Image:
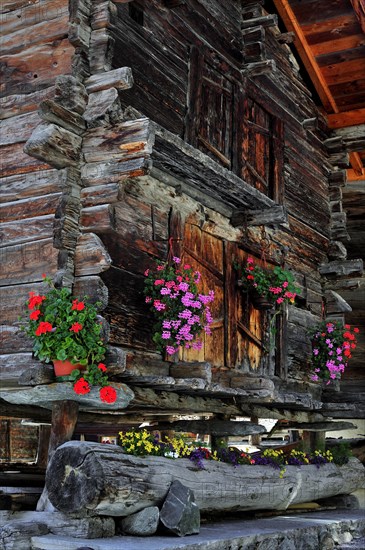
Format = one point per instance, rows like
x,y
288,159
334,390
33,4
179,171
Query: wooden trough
x,y
84,476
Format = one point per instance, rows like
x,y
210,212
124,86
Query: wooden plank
x,y
23,186
55,145
46,31
291,23
213,427
359,8
29,207
357,164
19,104
354,176
26,230
98,218
130,139
336,58
346,118
26,262
35,67
348,71
25,14
52,111
18,129
99,173
338,44
14,160
342,25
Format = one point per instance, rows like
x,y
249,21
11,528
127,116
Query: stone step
x,y
311,530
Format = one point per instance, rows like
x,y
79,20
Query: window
x,y
262,162
240,333
231,127
213,94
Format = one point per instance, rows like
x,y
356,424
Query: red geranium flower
x,y
43,327
108,394
76,327
35,314
78,306
81,387
35,300
356,330
102,367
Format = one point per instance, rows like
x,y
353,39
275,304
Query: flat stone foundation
x,y
323,530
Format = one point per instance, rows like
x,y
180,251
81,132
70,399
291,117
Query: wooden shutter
x,y
206,253
209,123
262,150
239,331
247,327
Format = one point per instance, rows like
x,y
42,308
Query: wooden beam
x,y
359,9
338,44
353,176
347,118
213,427
357,165
305,52
272,215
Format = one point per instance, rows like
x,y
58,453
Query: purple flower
x,y
315,351
165,291
184,287
176,260
166,334
186,314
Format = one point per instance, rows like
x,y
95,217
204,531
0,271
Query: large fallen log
x,y
103,479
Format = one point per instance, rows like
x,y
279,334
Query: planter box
x,y
103,479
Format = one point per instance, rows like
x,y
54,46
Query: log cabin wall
x,y
163,122
221,81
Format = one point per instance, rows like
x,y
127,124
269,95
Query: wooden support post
x,y
218,441
43,445
64,419
255,438
313,441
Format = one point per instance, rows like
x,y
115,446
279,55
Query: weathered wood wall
x,y
112,145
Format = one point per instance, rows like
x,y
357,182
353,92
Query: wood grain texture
x,y
232,488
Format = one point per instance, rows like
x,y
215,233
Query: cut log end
x,y
74,478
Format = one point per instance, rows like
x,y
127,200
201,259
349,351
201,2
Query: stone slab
x,y
45,395
295,530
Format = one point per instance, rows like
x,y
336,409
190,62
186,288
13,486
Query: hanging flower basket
x,y
259,302
332,346
267,288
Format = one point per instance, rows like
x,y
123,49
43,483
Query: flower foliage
x,y
63,327
181,311
276,285
332,347
144,443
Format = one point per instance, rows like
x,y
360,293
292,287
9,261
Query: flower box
x,y
123,484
